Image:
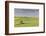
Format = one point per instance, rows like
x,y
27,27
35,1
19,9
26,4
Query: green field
x,y
26,21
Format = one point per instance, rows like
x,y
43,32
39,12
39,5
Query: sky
x,y
26,12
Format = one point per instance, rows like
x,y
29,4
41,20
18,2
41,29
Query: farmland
x,y
26,21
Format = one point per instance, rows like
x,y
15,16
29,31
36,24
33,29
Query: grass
x,y
26,21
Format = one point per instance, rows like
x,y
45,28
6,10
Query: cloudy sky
x,y
26,12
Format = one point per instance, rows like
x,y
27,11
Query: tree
x,y
21,22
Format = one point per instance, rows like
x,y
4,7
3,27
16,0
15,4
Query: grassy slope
x,y
28,21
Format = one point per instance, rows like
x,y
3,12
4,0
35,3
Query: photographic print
x,y
24,17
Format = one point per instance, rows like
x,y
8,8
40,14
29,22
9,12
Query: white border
x,y
24,29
